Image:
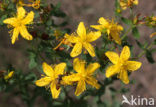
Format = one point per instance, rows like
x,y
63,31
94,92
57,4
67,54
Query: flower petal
x,y
113,57
123,76
43,81
103,21
68,80
81,30
72,38
135,2
125,54
92,36
59,69
76,50
11,21
90,49
55,93
25,34
133,65
15,35
79,65
21,12
47,69
98,27
116,37
81,87
92,81
112,70
29,18
92,68
119,28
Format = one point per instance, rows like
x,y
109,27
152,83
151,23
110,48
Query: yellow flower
x,y
83,76
110,27
128,3
82,40
19,24
9,75
52,78
121,64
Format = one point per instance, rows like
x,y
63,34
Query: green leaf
x,y
139,44
135,32
32,63
149,57
126,21
155,42
2,18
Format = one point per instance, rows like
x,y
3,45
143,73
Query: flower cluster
x,y
81,42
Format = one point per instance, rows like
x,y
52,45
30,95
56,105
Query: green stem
x,y
144,51
129,29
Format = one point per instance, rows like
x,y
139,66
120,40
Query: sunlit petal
x,y
29,18
91,68
81,87
43,81
89,48
15,35
54,91
79,65
76,50
92,36
81,30
113,57
112,70
25,34
132,65
125,54
21,12
47,69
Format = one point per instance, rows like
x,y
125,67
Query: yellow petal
x,y
132,65
112,70
47,69
92,81
59,69
10,21
92,36
72,38
81,87
123,76
25,34
103,21
43,81
108,31
92,68
125,54
89,48
81,30
21,12
15,35
76,50
113,57
116,37
10,74
79,65
29,18
98,27
55,93
135,2
123,5
119,28
68,80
